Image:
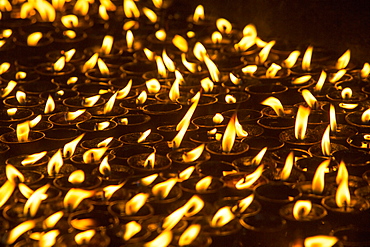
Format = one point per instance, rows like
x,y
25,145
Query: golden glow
x,y
337,76
346,93
291,60
309,98
141,98
33,158
192,67
189,235
25,190
5,6
58,4
250,179
84,237
72,80
216,37
185,174
203,184
94,155
174,92
198,14
170,65
301,209
185,121
234,79
93,60
90,101
193,206
224,26
245,203
55,163
222,217
193,154
59,64
107,45
17,231
103,68
69,21
131,229
108,107
264,53
135,203
33,203
230,99
148,180
50,105
342,173
181,43
347,106
342,196
306,61
218,118
212,68
23,130
258,158
75,196
11,111
301,79
162,240
161,35
111,189
207,85
70,147
150,160
20,75
105,142
150,14
130,9
104,167
34,38
81,7
129,24
121,94
320,241
301,122
249,69
149,54
70,116
199,51
333,121
275,104
272,70
70,34
365,70
325,142
343,60
287,169
229,136
153,86
4,67
52,220
13,174
318,181
129,40
240,132
171,220
365,117
162,190
21,97
77,177
103,13
144,135
6,191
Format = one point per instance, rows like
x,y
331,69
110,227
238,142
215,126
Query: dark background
x,y
334,25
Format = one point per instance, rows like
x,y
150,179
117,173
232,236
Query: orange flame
x,y
337,76
144,135
70,116
224,26
6,191
103,68
309,98
107,44
275,104
150,14
131,229
55,163
135,203
75,196
52,220
301,79
216,37
301,209
108,107
346,93
175,90
83,238
77,177
194,154
104,167
287,169
34,38
59,64
343,60
111,189
301,122
189,235
70,147
150,160
319,177
70,34
325,142
121,94
193,206
272,70
185,174
161,35
207,85
212,68
264,53
130,9
342,196
17,231
69,21
168,62
105,142
203,184
81,7
33,158
8,89
35,121
230,99
320,241
245,203
94,155
162,190
240,132
101,125
153,86
250,179
249,69
228,138
148,180
198,14
13,174
218,118
306,61
365,117
342,173
149,54
93,60
141,98
50,105
163,239
365,71
103,13
162,71
33,203
222,217
21,97
234,79
181,43
129,40
199,51
23,130
333,121
192,67
291,60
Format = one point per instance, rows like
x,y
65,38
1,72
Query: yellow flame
x,y
193,206
52,220
103,13
287,169
72,80
33,203
301,122
192,67
346,93
59,64
107,44
84,237
131,229
130,9
194,154
23,130
224,26
230,99
103,68
75,196
199,51
149,54
153,86
301,79
46,10
342,196
207,84
168,62
234,79
272,70
229,136
222,217
337,76
216,37
81,7
34,38
171,220
275,104
186,119
148,180
17,231
185,174
301,209
94,155
365,117
8,89
6,191
162,71
11,111
121,94
245,203
135,203
198,14
162,190
306,61
5,6
264,53
325,142
150,160
347,106
161,35
249,69
129,40
104,167
141,98
70,147
69,21
247,41
320,241
218,118
58,4
318,181
90,101
144,135
189,235
105,142
162,240
108,107
342,173
174,93
55,163
50,105
212,68
35,121
203,184
21,97
77,177
89,64
333,121
70,116
240,132
150,14
33,158
343,60
181,43
13,174
111,189
291,60
250,179
365,71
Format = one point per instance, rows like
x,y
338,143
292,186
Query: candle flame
x,y
287,169
320,82
70,34
93,60
222,217
174,93
192,67
111,189
103,13
248,40
70,116
291,60
234,79
55,163
301,122
216,37
33,158
121,94
301,209
50,105
337,76
131,229
224,26
181,43
17,231
342,172
94,155
34,38
228,138
150,14
69,21
264,53
77,177
59,64
135,203
212,68
144,135
103,68
320,241
52,220
240,132
149,54
185,174
130,9
104,167
342,196
13,174
11,111
130,40
170,65
153,86
203,184
185,121
318,181
333,121
306,61
83,238
365,71
193,206
4,67
365,117
198,14
72,80
70,147
272,70
243,204
346,93
23,130
162,240
33,203
343,60
75,196
249,69
6,191
162,190
309,98
325,142
21,97
199,51
148,180
141,98
301,79
107,45
189,235
250,179
207,85
150,160
230,99
258,158
161,35
194,154
275,104
8,89
108,107
347,106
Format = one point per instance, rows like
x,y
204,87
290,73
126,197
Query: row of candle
x,y
147,185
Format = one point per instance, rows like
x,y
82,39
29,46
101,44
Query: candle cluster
x,y
126,124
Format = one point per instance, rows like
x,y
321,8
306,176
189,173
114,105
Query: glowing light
x,y
111,189
150,14
203,184
34,38
52,220
150,160
131,229
192,67
272,70
153,86
181,43
17,231
342,196
343,60
75,196
162,240
135,203
325,142
70,116
103,68
291,60
130,9
199,51
141,98
77,177
93,60
21,97
250,179
320,82
33,203
23,130
224,26
161,35
148,180
108,107
33,158
84,237
69,21
365,70
59,64
264,53
162,190
234,79
144,135
318,181
6,191
222,217
346,93
189,235
230,99
207,84
194,154
301,79
229,136
94,155
301,122
70,147
337,76
301,209
55,163
320,241
121,94
287,169
198,14
275,104
365,117
306,61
